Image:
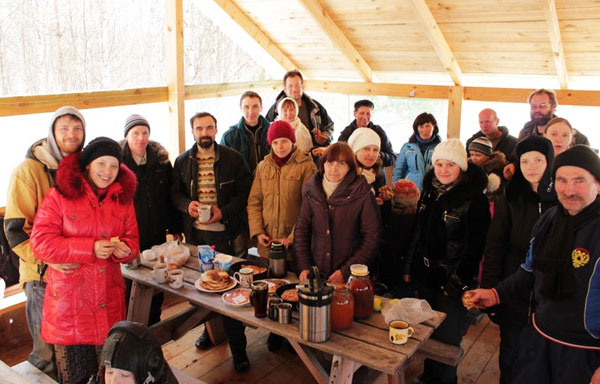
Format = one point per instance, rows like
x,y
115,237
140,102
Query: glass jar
x,y
342,308
362,290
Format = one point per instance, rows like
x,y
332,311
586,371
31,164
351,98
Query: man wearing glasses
x,y
543,105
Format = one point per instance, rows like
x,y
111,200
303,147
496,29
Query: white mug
x,y
159,272
224,261
175,278
245,277
204,213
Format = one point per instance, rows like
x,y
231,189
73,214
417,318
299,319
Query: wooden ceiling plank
x,y
333,31
257,34
556,42
438,41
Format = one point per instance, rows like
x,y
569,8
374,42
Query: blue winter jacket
x,y
412,164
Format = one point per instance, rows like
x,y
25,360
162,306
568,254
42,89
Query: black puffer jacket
x,y
153,208
509,237
450,232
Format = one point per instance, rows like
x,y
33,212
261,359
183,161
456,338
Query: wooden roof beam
x,y
437,39
557,47
257,34
338,38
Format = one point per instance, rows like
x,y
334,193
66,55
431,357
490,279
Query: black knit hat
x,y
132,347
518,184
580,156
100,146
535,143
135,120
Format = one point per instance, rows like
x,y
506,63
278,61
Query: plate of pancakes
x,y
215,281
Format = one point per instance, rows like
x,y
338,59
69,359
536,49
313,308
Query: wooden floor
x,y
479,366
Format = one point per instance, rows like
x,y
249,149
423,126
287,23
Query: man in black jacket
x,y
543,105
362,119
211,174
155,214
498,135
311,112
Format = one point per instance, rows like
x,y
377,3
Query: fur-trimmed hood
x,y
495,164
72,183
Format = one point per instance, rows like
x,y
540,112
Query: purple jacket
x,y
340,231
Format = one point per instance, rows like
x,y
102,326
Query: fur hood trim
x,y
72,183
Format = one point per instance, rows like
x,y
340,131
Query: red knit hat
x,y
279,129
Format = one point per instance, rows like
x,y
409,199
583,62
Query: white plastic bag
x,y
413,311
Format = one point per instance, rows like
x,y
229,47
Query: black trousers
x,y
449,332
509,351
234,329
543,361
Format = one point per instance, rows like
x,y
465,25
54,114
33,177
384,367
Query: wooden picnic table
x,y
366,343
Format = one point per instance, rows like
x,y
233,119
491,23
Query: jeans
x,y
42,355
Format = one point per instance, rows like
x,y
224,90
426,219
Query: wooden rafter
x,y
338,38
257,34
557,46
437,39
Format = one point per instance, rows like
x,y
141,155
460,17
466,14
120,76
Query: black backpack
x,y
9,261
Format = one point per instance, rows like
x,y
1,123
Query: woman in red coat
x,y
88,219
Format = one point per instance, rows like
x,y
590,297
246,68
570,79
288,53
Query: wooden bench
x,y
441,352
184,378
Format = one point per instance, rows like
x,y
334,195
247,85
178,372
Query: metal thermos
x,y
314,298
277,256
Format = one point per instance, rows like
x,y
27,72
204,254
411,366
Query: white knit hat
x,y
362,137
452,150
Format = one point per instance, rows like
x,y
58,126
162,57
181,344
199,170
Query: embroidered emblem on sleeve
x,y
580,257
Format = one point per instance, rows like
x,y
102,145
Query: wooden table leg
x,y
310,361
397,378
216,330
139,303
342,370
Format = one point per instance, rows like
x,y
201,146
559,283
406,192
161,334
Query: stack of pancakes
x,y
215,280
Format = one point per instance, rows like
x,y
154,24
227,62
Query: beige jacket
x,y
276,195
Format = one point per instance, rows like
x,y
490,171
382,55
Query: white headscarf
x,y
303,138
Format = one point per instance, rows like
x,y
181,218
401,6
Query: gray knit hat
x,y
481,145
133,121
60,112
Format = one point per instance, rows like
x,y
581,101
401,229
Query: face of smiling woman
x,y
103,171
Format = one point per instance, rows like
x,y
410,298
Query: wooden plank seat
x,y
441,352
24,372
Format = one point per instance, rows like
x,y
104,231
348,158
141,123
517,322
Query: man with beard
x,y
212,174
562,342
29,183
543,105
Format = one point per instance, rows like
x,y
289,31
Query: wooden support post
x,y
139,303
455,98
175,79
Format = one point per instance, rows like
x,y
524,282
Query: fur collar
x,y
495,163
72,184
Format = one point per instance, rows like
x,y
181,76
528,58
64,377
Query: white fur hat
x,y
361,137
452,150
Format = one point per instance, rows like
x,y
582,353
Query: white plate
x,y
238,301
201,288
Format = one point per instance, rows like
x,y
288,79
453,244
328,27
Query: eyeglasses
x,y
539,106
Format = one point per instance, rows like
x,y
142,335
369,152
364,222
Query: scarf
x,y
329,186
281,161
442,188
424,144
369,174
553,247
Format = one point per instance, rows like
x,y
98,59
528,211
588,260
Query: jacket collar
x,y
71,181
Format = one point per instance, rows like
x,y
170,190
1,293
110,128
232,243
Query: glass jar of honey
x,y
342,308
362,290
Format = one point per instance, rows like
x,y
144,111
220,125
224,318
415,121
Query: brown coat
x,y
276,195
